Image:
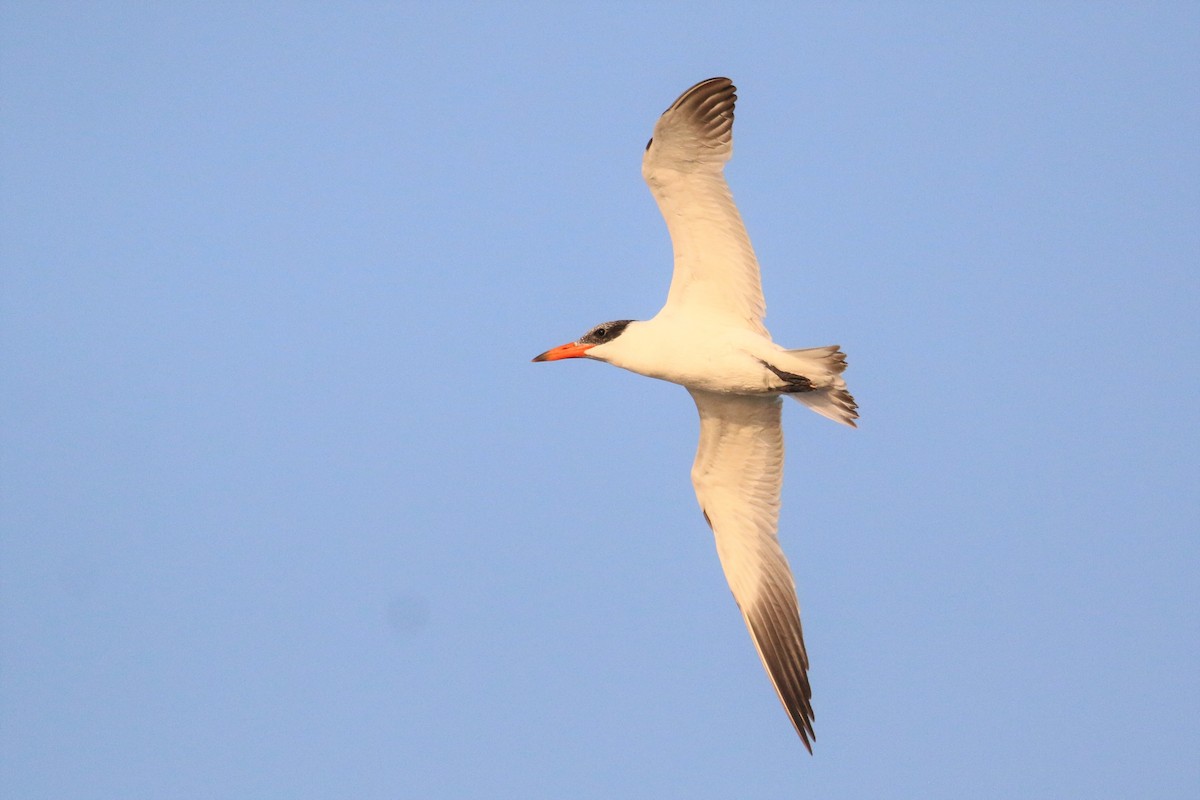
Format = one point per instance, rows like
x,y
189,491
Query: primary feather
x,y
716,272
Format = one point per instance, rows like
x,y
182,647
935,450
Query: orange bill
x,y
568,350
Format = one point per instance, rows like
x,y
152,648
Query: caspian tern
x,y
710,338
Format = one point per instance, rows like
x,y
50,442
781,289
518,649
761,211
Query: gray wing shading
x,y
738,474
716,273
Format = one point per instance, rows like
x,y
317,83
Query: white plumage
x,y
710,338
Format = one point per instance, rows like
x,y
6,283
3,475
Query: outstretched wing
x,y
737,475
716,273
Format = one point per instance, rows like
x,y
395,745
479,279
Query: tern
x,y
710,339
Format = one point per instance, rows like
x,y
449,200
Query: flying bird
x,y
710,339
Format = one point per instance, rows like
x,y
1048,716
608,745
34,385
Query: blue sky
x,y
287,512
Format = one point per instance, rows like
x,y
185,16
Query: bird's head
x,y
603,333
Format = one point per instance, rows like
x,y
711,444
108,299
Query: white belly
x,y
715,359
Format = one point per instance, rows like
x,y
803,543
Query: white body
x,y
694,354
710,338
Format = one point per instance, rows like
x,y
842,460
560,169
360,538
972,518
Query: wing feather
x,y
738,474
716,272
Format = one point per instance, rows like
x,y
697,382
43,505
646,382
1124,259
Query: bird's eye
x,y
600,332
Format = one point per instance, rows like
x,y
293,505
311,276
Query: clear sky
x,y
287,512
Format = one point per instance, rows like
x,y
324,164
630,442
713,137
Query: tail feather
x,y
823,366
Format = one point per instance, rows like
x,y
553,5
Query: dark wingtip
x,y
710,105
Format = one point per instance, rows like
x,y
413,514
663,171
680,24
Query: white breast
x,y
692,353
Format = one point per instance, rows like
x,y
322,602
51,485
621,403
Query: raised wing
x,y
716,273
737,475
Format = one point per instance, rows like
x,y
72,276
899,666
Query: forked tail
x,y
823,367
